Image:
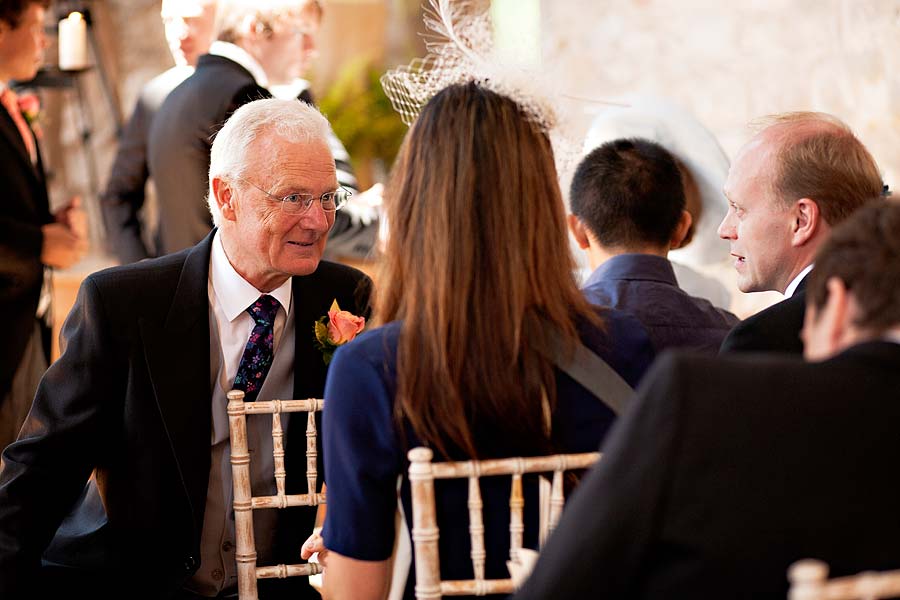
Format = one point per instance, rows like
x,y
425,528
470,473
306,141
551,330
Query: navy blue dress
x,y
365,451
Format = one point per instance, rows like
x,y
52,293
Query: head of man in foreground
x,y
854,293
788,187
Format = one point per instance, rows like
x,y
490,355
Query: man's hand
x,y
66,240
73,217
315,544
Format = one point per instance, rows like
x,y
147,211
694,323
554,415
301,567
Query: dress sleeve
x,y
362,455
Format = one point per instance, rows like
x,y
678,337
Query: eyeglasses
x,y
295,204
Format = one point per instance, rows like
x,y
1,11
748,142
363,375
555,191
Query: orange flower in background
x,y
336,329
30,107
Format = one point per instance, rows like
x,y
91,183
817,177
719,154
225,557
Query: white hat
x,y
679,132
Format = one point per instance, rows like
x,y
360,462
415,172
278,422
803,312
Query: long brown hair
x,y
476,259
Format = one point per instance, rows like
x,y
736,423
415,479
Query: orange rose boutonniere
x,y
336,329
30,106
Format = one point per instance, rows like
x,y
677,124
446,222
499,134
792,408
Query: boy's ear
x,y
579,231
680,236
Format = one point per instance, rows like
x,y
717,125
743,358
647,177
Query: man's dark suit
x,y
130,398
727,470
181,136
124,197
775,329
24,209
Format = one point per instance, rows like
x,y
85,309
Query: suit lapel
x,y
177,354
11,133
311,302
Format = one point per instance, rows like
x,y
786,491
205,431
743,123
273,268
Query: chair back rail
x,y
245,503
425,531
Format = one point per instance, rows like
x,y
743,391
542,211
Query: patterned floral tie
x,y
258,353
10,102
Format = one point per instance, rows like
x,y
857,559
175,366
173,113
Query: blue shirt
x,y
644,285
365,450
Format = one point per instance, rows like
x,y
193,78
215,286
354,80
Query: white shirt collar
x,y
792,287
233,292
289,91
241,57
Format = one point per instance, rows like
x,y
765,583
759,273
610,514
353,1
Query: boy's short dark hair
x,y
628,192
11,11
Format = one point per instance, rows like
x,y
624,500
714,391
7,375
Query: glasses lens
x,y
339,198
296,203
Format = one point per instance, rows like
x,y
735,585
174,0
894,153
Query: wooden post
x,y
557,496
516,504
245,548
476,524
278,454
425,531
311,455
808,578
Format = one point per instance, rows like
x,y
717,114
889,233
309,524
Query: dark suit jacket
x,y
24,208
124,196
775,329
727,470
179,145
130,400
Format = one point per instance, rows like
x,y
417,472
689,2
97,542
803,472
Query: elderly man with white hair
x,y
119,484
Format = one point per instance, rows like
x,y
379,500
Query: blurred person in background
x,y
33,239
257,45
190,28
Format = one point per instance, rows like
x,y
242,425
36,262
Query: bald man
x,y
787,188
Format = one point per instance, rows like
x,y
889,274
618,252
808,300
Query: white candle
x,y
73,43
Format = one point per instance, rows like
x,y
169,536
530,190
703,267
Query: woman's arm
x,y
351,579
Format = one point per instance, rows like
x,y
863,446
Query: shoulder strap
x,y
591,371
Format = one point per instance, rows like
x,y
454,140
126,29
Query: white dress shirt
x,y
793,285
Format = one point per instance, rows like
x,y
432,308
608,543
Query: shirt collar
x,y
289,91
241,57
635,266
233,292
792,287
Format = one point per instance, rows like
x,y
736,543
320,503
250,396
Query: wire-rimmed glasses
x,y
298,203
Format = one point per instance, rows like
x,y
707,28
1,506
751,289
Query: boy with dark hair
x,y
628,210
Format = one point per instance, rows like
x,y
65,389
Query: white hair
x,y
234,18
292,120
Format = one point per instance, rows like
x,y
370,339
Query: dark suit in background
x,y
774,329
179,145
132,392
24,209
725,471
125,194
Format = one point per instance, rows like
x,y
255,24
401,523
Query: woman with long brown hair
x,y
477,285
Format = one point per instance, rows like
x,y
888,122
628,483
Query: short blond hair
x,y
819,157
234,17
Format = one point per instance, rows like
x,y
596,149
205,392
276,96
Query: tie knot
x,y
264,309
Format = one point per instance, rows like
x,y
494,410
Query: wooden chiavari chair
x,y
244,501
809,581
425,532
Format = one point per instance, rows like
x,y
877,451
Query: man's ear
x,y
579,231
223,195
682,229
806,221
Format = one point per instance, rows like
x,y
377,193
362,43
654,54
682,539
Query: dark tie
x,y
259,351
